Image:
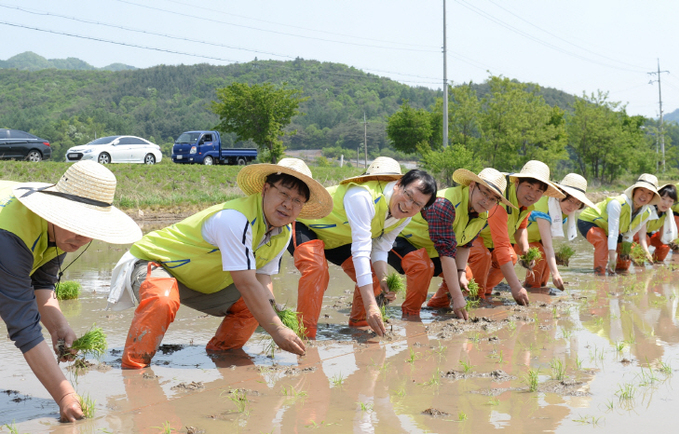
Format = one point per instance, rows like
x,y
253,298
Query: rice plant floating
x,y
93,342
533,254
563,255
67,290
395,283
290,319
638,255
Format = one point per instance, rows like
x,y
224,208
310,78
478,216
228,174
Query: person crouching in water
x,y
611,224
219,262
492,256
369,211
546,222
661,227
442,234
39,224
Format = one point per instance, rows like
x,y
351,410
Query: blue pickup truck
x,y
205,147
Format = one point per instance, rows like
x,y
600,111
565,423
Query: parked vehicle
x,y
117,149
20,145
205,147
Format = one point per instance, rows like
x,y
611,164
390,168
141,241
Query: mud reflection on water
x,y
603,354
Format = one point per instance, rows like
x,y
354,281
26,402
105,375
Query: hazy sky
x,y
576,46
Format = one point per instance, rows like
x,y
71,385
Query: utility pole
x,y
365,140
445,82
661,133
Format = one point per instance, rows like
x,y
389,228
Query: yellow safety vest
x,y
599,214
514,217
417,231
334,229
181,249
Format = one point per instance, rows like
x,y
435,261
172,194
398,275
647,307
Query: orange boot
x,y
235,330
661,250
622,264
158,305
539,275
440,300
357,315
479,262
419,270
598,238
310,261
495,276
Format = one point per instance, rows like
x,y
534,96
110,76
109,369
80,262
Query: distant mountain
x,y
29,61
672,117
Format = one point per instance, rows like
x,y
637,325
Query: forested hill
x,y
29,61
69,107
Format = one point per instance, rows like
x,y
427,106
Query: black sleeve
x,y
18,306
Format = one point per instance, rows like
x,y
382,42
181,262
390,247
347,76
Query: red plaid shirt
x,y
440,217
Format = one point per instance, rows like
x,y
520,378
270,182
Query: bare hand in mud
x,y
288,341
674,246
374,319
459,306
69,408
521,296
464,283
558,282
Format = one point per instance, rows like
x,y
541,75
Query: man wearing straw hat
x,y
611,224
368,213
546,222
437,241
39,224
219,261
492,256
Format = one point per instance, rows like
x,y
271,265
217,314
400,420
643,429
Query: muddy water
x,y
603,354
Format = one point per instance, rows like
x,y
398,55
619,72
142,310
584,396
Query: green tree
x,y
443,163
258,113
409,128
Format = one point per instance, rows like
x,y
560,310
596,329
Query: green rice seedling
x,y
92,343
12,428
365,406
395,283
401,392
638,255
383,312
67,290
292,392
566,334
563,254
166,428
466,366
413,356
440,349
473,288
435,379
532,379
625,248
626,391
290,319
610,405
619,346
493,402
558,369
665,368
238,397
533,254
87,406
462,416
337,380
555,312
578,363
590,420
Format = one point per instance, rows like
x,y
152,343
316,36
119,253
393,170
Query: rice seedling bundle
x,y
473,288
67,290
93,342
533,254
637,254
563,255
395,283
290,320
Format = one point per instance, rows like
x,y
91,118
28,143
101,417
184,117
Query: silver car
x,y
117,149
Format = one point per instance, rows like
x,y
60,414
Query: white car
x,y
117,149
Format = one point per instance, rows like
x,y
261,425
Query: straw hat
x,y
382,168
576,186
251,180
649,182
540,171
81,202
488,177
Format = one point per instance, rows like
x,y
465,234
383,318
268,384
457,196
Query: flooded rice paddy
x,y
602,356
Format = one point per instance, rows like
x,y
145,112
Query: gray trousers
x,y
215,304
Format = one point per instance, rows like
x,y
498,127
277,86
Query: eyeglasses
x,y
285,197
488,196
409,197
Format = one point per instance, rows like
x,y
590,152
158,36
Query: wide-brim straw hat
x,y
251,180
538,170
576,186
649,182
382,168
81,202
488,177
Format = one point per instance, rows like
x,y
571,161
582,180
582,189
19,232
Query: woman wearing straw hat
x,y
219,261
368,213
611,224
492,256
546,222
661,227
39,224
437,241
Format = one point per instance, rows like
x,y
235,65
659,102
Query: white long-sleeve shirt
x,y
360,210
614,209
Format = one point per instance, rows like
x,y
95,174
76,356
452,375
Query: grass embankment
x,y
164,186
